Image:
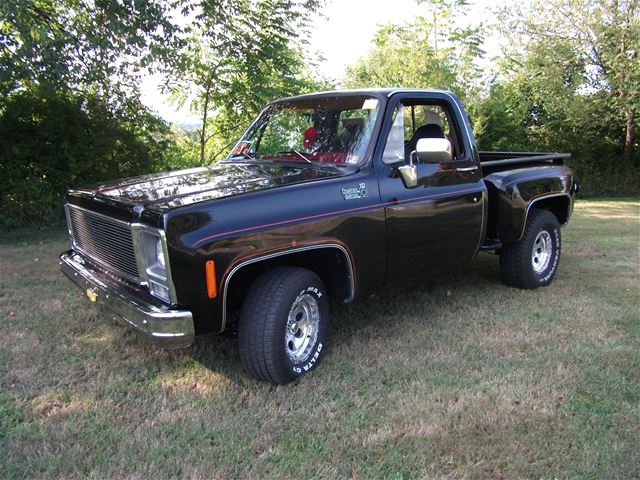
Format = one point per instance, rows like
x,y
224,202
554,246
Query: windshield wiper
x,y
297,153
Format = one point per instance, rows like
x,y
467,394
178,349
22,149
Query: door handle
x,y
467,169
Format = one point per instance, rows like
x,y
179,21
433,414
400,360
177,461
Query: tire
x,y
532,261
284,323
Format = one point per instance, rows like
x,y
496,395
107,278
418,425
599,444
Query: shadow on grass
x,y
219,353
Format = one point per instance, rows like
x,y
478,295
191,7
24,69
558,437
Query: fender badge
x,y
355,192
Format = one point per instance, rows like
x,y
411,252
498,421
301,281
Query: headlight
x,y
154,256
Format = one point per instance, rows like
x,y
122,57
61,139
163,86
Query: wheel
x,y
283,325
532,261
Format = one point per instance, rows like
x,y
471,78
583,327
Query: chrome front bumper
x,y
170,328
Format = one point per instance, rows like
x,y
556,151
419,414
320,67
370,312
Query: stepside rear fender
x,y
513,193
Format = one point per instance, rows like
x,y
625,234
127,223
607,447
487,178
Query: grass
x,y
460,378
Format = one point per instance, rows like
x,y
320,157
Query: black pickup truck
x,y
336,194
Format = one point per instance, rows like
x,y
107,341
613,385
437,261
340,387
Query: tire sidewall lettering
x,y
299,369
314,357
548,274
311,289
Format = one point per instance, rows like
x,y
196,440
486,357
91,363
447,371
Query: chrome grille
x,y
105,240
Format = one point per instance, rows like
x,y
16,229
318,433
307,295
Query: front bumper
x,y
170,328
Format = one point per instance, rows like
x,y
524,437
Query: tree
x,y
240,55
69,101
605,35
51,140
540,102
534,105
430,52
75,45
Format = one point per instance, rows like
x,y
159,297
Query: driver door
x,y
438,224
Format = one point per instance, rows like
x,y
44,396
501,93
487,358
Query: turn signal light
x,y
210,271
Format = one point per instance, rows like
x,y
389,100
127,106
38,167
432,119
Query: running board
x,y
490,244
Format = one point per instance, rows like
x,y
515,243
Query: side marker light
x,y
210,272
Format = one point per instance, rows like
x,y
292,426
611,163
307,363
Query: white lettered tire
x,y
284,325
533,261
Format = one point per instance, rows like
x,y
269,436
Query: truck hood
x,y
162,191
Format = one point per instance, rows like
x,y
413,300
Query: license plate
x,y
93,296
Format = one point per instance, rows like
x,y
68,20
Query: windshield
x,y
329,130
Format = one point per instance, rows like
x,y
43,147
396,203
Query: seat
x,y
430,130
350,134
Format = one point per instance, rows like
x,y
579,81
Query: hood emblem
x,y
355,192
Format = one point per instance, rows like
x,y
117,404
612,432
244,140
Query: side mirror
x,y
433,150
409,173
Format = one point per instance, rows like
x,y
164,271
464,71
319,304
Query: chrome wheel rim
x,y
541,252
303,323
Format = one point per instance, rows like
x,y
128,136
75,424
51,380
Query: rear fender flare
x,y
532,203
512,196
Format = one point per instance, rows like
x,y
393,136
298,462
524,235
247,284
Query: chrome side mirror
x,y
433,150
409,173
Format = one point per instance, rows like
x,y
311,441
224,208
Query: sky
x,y
342,35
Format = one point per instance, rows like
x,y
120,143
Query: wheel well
x,y
330,264
558,205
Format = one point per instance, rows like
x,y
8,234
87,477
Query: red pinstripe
x,y
328,214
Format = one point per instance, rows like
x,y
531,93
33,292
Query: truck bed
x,y
492,161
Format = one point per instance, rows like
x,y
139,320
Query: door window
x,y
414,119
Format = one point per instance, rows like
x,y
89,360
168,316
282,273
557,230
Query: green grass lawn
x,y
461,377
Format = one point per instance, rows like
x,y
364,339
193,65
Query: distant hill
x,y
188,125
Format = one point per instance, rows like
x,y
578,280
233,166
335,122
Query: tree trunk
x,y
205,112
435,31
627,154
629,138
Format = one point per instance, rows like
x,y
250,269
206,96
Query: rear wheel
x,y
532,261
283,325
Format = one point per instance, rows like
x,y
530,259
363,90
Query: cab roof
x,y
378,92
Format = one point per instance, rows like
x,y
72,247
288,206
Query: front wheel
x,y
283,326
532,261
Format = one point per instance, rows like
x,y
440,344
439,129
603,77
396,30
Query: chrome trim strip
x,y
543,197
171,328
279,254
526,159
467,169
138,250
69,226
167,268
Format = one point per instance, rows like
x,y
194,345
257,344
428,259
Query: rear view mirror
x,y
433,150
